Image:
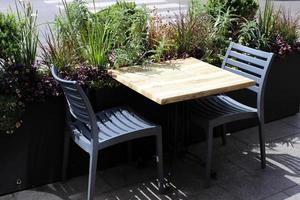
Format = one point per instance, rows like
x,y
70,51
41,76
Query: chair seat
x,y
220,109
116,125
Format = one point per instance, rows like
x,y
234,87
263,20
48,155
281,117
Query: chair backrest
x,y
78,102
250,63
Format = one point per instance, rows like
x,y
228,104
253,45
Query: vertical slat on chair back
x,y
251,63
79,105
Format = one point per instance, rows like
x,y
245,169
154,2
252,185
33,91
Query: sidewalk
x,y
239,176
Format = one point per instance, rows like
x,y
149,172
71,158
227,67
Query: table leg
x,y
174,132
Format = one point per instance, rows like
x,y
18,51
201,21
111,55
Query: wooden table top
x,y
179,80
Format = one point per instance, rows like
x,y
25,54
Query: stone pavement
x,y
239,176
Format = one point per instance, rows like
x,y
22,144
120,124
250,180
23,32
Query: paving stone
x,y
274,130
293,120
248,136
294,197
239,176
233,145
33,195
279,196
246,160
216,193
145,191
288,145
279,129
293,191
129,174
7,197
256,187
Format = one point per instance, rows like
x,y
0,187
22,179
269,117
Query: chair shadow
x,y
144,190
285,166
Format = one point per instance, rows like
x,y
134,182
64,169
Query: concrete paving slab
x,y
279,196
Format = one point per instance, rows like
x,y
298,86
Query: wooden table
x,y
179,80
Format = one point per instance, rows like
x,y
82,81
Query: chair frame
x,y
260,91
257,68
82,111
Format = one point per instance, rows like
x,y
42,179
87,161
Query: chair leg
x,y
209,143
224,141
66,155
262,146
92,174
160,166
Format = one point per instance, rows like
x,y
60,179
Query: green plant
x,y
250,35
29,33
131,24
267,21
273,31
73,19
288,26
243,8
63,40
161,45
224,31
58,51
10,114
9,37
21,82
97,42
224,23
192,34
195,8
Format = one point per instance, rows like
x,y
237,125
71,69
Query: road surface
x,y
47,9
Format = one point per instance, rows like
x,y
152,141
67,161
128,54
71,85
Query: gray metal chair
x,y
219,110
93,132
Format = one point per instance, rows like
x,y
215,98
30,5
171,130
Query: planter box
x,y
32,155
282,95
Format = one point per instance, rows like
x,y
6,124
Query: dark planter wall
x,y
32,155
283,88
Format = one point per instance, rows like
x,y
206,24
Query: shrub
x,y
116,35
188,35
287,26
97,42
29,33
192,35
161,45
275,30
57,50
10,114
130,24
9,37
243,8
21,80
251,35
